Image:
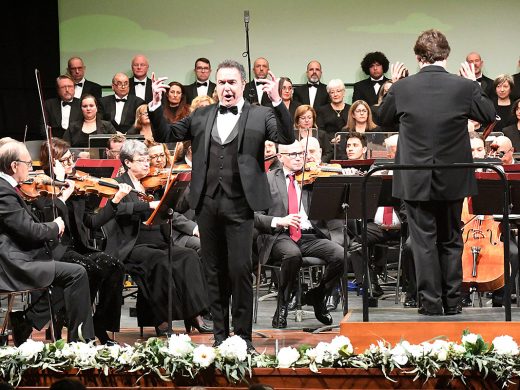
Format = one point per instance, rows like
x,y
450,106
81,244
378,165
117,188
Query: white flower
x,y
203,355
179,345
30,349
114,351
458,349
6,352
470,338
339,342
398,355
233,348
287,357
440,349
323,353
505,345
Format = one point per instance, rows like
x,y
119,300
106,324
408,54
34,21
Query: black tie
x,y
380,82
315,85
479,79
204,84
139,82
224,110
120,100
79,84
63,104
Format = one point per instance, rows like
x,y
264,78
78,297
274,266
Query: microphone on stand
x,y
246,17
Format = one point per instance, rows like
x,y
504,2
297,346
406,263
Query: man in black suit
x,y
515,93
64,109
314,92
287,235
140,83
228,184
432,109
26,257
202,85
120,108
375,65
485,82
76,70
253,92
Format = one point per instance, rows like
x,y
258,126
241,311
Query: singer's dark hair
x,y
372,58
226,64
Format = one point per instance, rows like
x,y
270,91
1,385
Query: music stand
x,y
163,213
339,197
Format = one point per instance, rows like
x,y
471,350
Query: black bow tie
x,y
479,79
380,82
204,84
120,100
315,85
139,82
79,84
224,110
63,104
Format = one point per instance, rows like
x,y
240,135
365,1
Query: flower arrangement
x,y
178,355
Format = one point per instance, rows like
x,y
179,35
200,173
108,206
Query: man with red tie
x,y
287,235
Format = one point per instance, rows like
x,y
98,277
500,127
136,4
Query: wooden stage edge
x,y
362,334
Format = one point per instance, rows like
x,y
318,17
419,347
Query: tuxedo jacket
x,y
301,94
53,115
515,93
91,88
251,95
25,254
487,86
108,105
148,95
432,108
255,125
364,90
191,91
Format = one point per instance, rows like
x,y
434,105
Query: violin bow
x,y
303,169
48,135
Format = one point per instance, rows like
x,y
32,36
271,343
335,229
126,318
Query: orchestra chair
x,y
24,294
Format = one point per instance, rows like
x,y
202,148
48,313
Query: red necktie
x,y
294,233
388,213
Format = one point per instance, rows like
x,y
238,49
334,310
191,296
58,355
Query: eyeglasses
x,y
121,84
68,160
28,164
360,111
157,156
294,155
142,160
202,68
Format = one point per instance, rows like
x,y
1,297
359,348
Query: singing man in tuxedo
x,y
375,65
432,110
26,257
64,109
314,93
140,83
121,107
254,92
202,85
485,82
76,70
228,184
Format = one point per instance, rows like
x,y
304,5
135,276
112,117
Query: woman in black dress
x,y
78,132
286,91
504,84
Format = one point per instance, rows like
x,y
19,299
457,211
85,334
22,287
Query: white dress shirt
x,y
65,115
78,90
140,90
203,89
119,109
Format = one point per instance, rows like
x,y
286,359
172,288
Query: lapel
x,y
111,109
126,108
242,123
210,119
281,188
57,111
211,88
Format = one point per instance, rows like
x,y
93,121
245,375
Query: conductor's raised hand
x,y
398,71
467,71
158,87
271,88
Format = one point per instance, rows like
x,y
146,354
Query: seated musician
x,y
105,273
287,236
504,150
270,156
26,259
144,251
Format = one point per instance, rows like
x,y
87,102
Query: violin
x,y
483,254
312,171
157,177
85,184
41,185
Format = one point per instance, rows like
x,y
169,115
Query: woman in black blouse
x,y
504,84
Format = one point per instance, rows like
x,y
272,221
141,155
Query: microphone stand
x,y
247,54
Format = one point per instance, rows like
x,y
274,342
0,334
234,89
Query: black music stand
x,y
339,197
163,213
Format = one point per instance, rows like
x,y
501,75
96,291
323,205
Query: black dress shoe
x,y
200,325
280,318
451,311
410,302
377,291
160,332
292,303
22,327
422,310
251,349
466,302
317,301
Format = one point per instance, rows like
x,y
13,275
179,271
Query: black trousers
x,y
434,229
289,254
226,237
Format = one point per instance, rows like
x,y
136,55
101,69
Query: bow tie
x,y
120,100
380,82
224,110
315,85
63,104
139,82
479,79
204,84
79,84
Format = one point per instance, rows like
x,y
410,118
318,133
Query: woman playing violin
x,y
305,123
105,272
144,251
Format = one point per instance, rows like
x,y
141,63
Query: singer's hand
x,y
158,87
61,225
467,71
271,88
